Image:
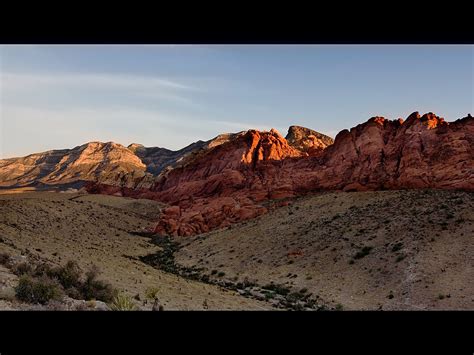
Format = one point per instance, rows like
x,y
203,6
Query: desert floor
x,y
95,229
419,249
390,250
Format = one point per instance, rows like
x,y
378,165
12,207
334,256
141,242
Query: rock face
x,y
157,159
240,179
160,160
239,176
107,163
307,140
222,186
420,152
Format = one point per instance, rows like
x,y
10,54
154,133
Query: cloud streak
x,y
23,86
98,80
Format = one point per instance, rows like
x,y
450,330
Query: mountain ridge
x,y
238,176
222,188
103,162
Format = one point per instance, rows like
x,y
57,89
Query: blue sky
x,y
54,97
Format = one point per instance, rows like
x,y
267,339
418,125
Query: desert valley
x,y
379,218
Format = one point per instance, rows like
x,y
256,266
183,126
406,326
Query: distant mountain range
x,y
114,164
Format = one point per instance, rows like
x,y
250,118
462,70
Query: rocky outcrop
x,y
307,140
421,152
107,163
238,179
157,159
161,160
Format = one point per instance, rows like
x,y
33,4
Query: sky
x,y
56,97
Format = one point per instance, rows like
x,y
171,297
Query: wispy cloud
x,y
24,84
22,80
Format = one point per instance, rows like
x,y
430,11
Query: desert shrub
x,y
363,252
4,258
294,296
220,273
23,268
397,247
280,289
122,302
68,275
37,290
151,293
73,292
339,307
96,289
400,258
42,269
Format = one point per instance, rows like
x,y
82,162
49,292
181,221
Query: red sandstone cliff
x,y
236,180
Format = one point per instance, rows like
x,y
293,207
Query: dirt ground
x,y
390,250
95,229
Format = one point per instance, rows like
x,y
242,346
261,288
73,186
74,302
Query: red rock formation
x,y
308,140
236,180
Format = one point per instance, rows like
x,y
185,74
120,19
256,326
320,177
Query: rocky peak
x,y
307,140
432,121
267,145
135,147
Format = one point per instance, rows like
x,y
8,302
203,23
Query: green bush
x,y
37,290
122,302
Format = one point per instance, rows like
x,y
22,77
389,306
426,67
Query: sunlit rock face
x,y
234,177
237,181
308,140
107,163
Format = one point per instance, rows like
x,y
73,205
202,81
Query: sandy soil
x,y
96,229
421,256
419,248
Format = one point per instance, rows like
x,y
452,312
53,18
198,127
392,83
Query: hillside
x,y
108,163
103,231
391,250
